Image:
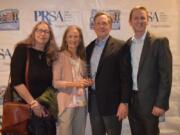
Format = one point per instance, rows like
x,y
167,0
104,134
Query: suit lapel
x,y
107,49
145,51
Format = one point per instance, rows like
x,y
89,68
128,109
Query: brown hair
x,y
137,8
81,48
104,13
51,47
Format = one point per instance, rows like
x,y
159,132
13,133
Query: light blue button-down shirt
x,y
136,50
96,55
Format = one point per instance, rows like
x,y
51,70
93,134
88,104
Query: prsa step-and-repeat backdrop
x,y
17,18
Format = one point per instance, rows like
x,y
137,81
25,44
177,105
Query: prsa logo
x,y
153,17
48,16
5,53
5,59
157,17
2,91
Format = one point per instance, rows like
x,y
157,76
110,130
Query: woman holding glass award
x,y
69,77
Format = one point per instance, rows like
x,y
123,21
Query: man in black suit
x,y
108,98
151,62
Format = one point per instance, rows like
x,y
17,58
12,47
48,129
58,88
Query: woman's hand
x,y
84,83
38,109
89,81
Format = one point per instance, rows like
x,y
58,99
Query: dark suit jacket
x,y
111,77
154,73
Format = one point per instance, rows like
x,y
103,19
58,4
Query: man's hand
x,y
157,111
122,111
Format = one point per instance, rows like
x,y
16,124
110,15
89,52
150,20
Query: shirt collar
x,y
140,39
101,42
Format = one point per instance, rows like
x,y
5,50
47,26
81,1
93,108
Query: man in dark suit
x,y
151,62
108,97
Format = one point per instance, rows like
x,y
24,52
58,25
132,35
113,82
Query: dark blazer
x,y
154,74
111,77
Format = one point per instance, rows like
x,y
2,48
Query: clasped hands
x,y
83,83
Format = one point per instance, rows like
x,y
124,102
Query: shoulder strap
x,y
27,69
9,95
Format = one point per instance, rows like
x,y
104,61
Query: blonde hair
x,y
81,48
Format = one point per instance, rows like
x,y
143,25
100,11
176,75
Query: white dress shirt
x,y
136,50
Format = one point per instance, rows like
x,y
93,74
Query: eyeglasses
x,y
40,31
